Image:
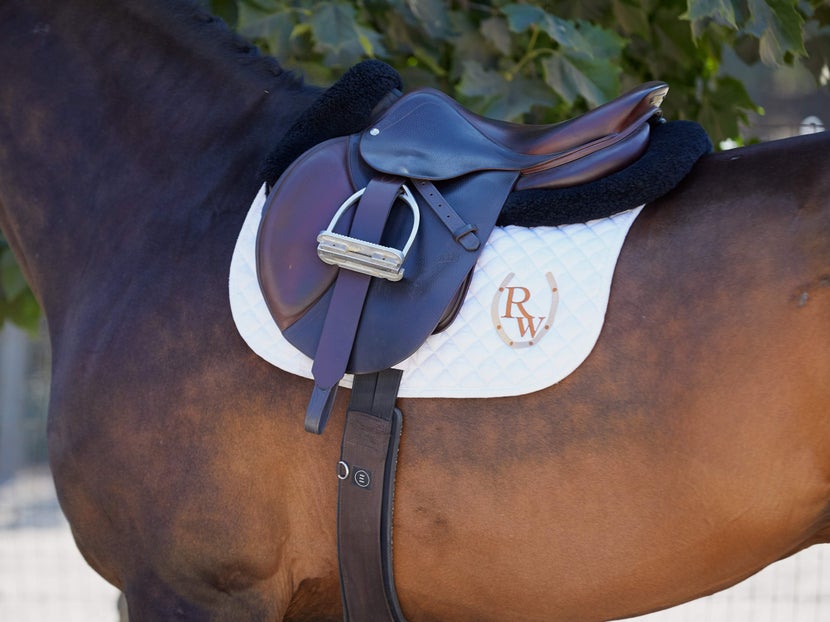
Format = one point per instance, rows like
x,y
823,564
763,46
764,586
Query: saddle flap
x,y
290,273
424,136
397,316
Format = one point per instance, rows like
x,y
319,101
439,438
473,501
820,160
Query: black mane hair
x,y
242,51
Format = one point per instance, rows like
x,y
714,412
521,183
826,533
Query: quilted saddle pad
x,y
533,313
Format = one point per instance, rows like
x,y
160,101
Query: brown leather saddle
x,y
367,241
365,248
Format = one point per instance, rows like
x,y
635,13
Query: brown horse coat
x,y
689,451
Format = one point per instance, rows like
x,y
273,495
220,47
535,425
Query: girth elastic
x,y
366,471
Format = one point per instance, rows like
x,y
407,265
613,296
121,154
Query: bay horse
x,y
690,450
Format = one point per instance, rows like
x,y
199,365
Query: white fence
x,y
43,577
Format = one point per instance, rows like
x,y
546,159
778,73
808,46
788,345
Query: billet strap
x,y
343,315
366,471
462,232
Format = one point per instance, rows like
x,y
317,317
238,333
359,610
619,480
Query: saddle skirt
x,y
533,313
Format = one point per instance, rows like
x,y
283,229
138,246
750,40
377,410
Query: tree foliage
x,y
537,62
547,61
17,303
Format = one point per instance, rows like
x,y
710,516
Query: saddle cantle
x,y
367,240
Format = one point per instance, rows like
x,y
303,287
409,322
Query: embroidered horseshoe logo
x,y
516,313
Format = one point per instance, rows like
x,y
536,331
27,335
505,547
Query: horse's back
x,y
687,452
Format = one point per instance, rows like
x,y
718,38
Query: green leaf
x,y
590,69
470,44
265,6
521,96
426,58
370,41
433,15
275,29
721,11
226,9
631,17
777,24
521,17
672,38
11,278
17,303
573,76
316,73
560,30
496,31
476,81
365,40
501,98
24,311
724,105
598,42
333,24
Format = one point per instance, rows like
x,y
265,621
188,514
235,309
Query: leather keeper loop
x,y
466,236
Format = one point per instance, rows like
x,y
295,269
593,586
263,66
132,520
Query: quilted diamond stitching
x,y
469,359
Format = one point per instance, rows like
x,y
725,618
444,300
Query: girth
x,y
366,471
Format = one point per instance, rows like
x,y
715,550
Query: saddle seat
x,y
367,241
431,136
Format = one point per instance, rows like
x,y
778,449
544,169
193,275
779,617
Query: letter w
x,y
527,322
529,325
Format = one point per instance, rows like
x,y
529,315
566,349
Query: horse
x,y
689,451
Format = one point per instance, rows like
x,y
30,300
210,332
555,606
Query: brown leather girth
x,y
368,457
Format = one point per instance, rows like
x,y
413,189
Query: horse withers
x,y
690,450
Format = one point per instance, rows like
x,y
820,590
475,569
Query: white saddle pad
x,y
533,313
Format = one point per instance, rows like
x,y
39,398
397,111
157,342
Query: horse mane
x,y
242,52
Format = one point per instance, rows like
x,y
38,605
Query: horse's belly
x,y
603,528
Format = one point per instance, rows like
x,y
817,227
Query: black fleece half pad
x,y
673,149
346,108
